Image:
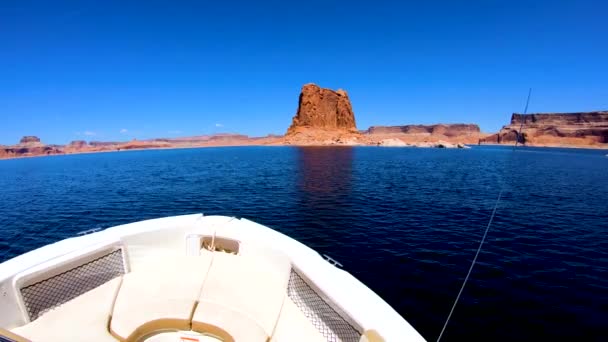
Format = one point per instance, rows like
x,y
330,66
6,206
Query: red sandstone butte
x,y
324,109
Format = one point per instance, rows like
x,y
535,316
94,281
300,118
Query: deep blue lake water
x,y
405,221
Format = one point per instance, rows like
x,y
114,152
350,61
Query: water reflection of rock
x,y
325,171
325,201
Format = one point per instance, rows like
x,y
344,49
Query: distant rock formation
x,y
28,146
32,146
554,129
449,130
227,137
142,144
30,140
77,144
392,143
455,133
325,117
104,143
323,109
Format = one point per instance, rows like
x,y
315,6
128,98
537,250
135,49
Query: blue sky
x,y
117,70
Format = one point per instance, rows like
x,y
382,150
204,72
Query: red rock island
x,y
324,117
323,109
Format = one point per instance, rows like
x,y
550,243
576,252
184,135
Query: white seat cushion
x,y
294,326
275,259
248,286
159,295
85,317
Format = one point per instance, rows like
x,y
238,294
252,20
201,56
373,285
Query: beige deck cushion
x,y
159,295
83,318
229,325
294,326
243,287
274,259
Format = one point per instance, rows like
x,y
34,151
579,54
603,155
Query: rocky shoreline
x,y
326,118
26,150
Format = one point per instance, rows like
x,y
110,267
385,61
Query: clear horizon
x,y
111,71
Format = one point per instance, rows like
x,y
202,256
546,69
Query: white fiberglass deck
x,y
188,278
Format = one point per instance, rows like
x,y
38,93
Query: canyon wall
x,y
588,129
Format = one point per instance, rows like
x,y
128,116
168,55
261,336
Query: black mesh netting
x,y
329,322
54,291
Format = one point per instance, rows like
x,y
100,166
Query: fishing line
x,y
485,234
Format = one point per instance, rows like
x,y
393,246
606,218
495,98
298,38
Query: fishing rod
x,y
485,234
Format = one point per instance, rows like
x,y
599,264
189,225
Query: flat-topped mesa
x,y
30,140
104,143
29,146
450,130
417,134
77,144
579,119
323,109
559,129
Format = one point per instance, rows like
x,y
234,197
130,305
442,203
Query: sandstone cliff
x,y
555,129
454,133
323,109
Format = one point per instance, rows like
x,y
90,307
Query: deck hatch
x,y
53,291
319,312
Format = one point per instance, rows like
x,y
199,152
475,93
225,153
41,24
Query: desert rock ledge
x,y
587,129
